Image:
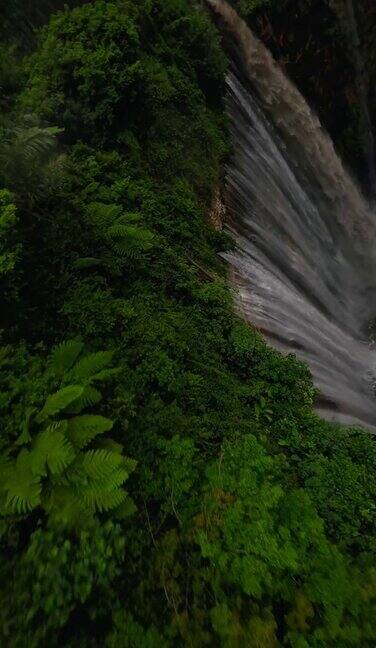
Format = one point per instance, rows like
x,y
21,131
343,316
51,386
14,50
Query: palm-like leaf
x,y
104,215
60,400
87,262
65,507
25,154
89,397
98,500
99,465
22,486
129,218
83,429
90,365
52,450
64,356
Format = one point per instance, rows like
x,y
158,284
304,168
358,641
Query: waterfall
x,y
305,264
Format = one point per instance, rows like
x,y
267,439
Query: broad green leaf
x,y
82,429
60,400
64,356
52,450
23,487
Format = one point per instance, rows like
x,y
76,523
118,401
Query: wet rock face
x,y
217,213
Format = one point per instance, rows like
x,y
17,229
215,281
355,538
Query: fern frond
x,y
52,450
134,236
129,218
127,508
90,365
105,374
31,146
99,465
22,486
89,397
82,429
110,445
87,262
131,248
60,400
129,464
64,507
25,436
118,230
101,501
104,215
64,356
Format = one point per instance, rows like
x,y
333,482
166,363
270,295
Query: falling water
x,y
305,266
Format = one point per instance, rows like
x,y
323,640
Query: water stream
x,y
305,267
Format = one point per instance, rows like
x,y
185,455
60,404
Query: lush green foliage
x,y
249,522
55,465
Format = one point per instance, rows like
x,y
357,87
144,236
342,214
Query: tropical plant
x,y
28,157
10,248
123,240
57,462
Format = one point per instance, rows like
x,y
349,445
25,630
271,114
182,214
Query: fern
x,y
101,501
57,471
26,153
83,429
65,507
90,365
35,142
105,374
111,445
22,486
104,215
118,230
125,509
52,450
30,144
89,397
129,218
119,234
64,356
87,262
60,401
99,465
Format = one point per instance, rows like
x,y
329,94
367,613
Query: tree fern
x,y
60,400
104,215
64,356
90,365
89,396
25,155
65,506
101,501
129,218
83,263
51,449
22,486
34,143
122,239
83,429
99,465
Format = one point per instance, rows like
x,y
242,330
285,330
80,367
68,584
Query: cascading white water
x,y
305,266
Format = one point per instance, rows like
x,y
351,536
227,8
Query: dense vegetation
x,y
164,480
